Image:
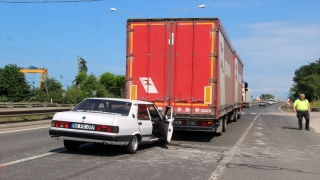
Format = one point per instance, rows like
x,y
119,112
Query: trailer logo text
x,y
148,85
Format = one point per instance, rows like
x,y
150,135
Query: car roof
x,y
124,100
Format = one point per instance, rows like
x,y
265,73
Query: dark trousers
x,y
300,115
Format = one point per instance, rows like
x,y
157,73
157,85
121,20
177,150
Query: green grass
x,y
287,108
25,118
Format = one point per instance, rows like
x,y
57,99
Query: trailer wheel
x,y
239,114
230,117
235,113
224,125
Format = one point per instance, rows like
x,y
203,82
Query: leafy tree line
x,y
15,88
266,96
307,81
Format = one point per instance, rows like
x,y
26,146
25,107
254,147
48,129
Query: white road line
x,y
30,158
222,166
253,113
24,129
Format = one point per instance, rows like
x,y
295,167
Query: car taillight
x,y
104,128
204,123
60,124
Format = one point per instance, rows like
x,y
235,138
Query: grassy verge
x,y
25,118
289,108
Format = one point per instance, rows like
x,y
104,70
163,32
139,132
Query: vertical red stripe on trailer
x,y
201,60
183,64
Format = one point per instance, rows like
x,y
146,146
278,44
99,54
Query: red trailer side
x,y
189,64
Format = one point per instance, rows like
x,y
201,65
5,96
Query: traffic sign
x,y
287,94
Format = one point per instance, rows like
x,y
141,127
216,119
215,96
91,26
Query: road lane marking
x,y
253,113
23,130
222,166
30,158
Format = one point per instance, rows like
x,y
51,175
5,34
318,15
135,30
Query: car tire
x,y
132,147
71,145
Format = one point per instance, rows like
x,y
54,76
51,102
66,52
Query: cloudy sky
x,y
272,37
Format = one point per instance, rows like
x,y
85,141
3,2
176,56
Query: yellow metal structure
x,y
42,71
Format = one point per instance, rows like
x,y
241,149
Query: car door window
x,y
155,116
143,112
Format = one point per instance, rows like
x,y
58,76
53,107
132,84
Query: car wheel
x,y
132,147
71,145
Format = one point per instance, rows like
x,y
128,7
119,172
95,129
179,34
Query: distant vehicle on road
x,y
270,101
262,103
246,98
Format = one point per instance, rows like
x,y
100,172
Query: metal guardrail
x,y
24,112
32,105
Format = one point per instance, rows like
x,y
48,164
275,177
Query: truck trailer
x,y
246,93
189,64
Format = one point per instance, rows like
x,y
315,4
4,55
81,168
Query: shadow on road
x,y
193,136
92,149
292,128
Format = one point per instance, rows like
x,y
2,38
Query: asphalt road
x,y
263,144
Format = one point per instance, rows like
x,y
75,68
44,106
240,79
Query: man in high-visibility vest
x,y
302,107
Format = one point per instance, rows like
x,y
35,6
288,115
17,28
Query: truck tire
x,y
235,113
239,114
230,117
224,123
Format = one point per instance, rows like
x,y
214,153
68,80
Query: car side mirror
x,y
133,116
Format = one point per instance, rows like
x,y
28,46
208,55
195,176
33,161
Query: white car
x,y
112,121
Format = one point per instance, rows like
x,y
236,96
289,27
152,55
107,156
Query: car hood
x,y
86,117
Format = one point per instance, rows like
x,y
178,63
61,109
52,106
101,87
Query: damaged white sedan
x,y
112,121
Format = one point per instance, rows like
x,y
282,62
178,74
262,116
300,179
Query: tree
x,y
307,81
54,88
108,80
13,84
77,82
91,84
118,91
83,65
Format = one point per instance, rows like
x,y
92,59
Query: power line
x,y
37,51
49,57
42,2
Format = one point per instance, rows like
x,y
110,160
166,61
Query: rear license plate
x,y
83,126
177,122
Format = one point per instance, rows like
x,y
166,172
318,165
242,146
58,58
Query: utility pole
x,y
79,64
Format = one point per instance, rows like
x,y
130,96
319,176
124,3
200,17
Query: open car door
x,y
165,126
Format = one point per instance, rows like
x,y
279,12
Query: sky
x,y
272,37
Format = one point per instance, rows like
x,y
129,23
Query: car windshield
x,y
104,106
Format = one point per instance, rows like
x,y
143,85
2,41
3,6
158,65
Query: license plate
x,y
83,126
177,122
